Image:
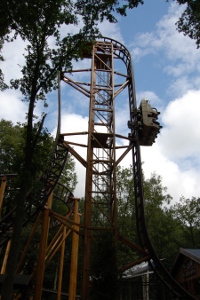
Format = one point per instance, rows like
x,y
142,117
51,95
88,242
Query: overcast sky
x,y
167,72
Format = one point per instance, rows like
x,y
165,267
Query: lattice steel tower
x,y
101,163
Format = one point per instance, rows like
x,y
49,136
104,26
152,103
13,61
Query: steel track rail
x,y
49,179
177,291
37,199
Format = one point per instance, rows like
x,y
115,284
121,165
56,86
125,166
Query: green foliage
x,y
12,156
68,176
125,201
186,212
157,216
169,227
189,22
40,27
12,143
126,220
12,146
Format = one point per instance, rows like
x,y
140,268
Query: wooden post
x,y
60,275
74,254
42,252
2,190
3,268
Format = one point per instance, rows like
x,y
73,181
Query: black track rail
x,y
37,199
177,291
64,195
49,180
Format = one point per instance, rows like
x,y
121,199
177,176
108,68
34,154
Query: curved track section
x,y
157,266
64,195
37,199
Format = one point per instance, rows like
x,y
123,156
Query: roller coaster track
x,y
36,200
156,264
49,179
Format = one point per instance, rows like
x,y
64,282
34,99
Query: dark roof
x,y
193,254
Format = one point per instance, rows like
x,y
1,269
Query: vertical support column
x,y
74,253
88,191
60,275
106,83
42,251
100,189
3,268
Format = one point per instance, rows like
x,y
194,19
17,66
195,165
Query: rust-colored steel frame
x,y
105,85
102,161
46,251
100,195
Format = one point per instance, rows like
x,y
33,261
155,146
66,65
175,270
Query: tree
x,y
164,230
126,215
156,213
189,22
169,226
125,202
186,211
12,141
11,145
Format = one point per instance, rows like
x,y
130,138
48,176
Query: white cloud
x,y
181,85
111,30
14,59
76,123
11,106
181,136
165,38
122,117
175,155
178,182
176,52
151,96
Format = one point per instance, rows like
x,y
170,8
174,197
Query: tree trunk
x,y
26,178
15,243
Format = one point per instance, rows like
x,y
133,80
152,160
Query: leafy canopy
x,y
41,25
189,22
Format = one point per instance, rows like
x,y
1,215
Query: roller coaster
x,y
110,81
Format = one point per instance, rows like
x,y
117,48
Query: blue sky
x,y
167,72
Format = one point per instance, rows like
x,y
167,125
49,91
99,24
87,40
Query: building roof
x,y
193,254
